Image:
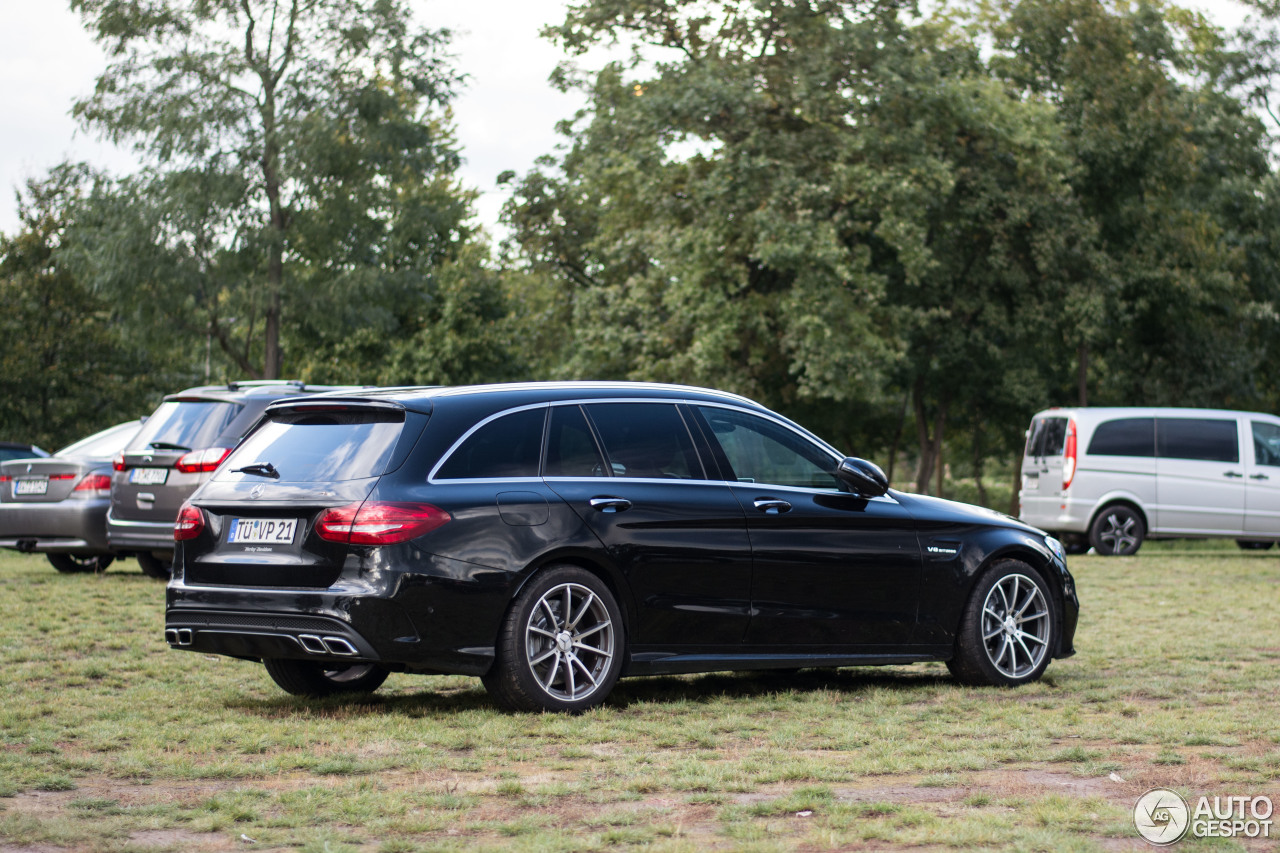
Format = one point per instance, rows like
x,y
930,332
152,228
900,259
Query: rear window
x,y
319,447
102,445
1197,438
1125,437
193,425
1048,437
509,446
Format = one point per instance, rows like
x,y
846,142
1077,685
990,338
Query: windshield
x,y
193,425
317,447
102,445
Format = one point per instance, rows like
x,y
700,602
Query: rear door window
x,y
191,424
319,447
646,440
571,448
505,447
1048,437
1205,439
1124,437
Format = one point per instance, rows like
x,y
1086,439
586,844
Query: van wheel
x,y
1117,531
560,646
1254,544
153,567
70,564
317,680
1007,632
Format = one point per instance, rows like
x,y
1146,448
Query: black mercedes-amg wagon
x,y
553,537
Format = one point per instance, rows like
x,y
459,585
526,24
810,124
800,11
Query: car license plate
x,y
30,487
262,531
148,476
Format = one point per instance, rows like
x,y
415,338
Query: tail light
x,y
190,523
62,476
5,478
202,461
117,463
1069,456
379,523
94,483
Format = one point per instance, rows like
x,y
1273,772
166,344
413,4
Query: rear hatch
x,y
280,511
1042,463
171,455
49,480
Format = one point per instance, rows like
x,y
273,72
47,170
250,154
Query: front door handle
x,y
771,506
607,504
1259,477
1232,474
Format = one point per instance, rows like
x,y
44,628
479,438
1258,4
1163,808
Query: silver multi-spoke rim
x,y
569,642
1118,532
1015,626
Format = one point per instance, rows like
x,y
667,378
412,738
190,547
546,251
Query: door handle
x,y
605,504
771,506
1232,474
1259,477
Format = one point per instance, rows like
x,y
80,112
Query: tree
x,y
300,179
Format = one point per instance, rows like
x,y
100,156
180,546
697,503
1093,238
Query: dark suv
x,y
176,450
552,537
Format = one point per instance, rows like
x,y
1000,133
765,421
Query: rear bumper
x,y
153,536
63,527
1056,514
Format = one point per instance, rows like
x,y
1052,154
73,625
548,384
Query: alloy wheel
x,y
1119,533
569,642
1015,625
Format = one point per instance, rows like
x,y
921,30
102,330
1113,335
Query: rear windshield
x,y
190,425
102,445
313,447
1048,437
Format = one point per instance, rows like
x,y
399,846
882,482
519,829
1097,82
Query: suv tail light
x,y
117,463
202,461
379,523
1069,456
190,523
94,483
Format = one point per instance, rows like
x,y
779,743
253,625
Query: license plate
x,y
148,476
262,531
30,487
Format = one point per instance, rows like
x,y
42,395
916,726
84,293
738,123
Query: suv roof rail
x,y
263,383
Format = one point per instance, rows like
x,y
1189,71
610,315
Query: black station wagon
x,y
551,538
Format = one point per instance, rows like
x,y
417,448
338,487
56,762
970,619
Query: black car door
x,y
676,535
828,568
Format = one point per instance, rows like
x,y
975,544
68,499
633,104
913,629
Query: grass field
x,y
110,741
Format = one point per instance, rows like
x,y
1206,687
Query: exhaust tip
x,y
339,646
178,636
171,636
312,644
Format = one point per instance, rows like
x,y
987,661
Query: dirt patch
x,y
177,839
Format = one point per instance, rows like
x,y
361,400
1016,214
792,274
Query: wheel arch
x,y
608,575
1119,499
1047,569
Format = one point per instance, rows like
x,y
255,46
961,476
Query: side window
x,y
646,440
509,446
571,449
761,451
1266,443
1197,438
1124,437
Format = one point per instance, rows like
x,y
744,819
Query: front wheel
x,y
317,680
71,564
153,567
560,646
1117,531
1007,632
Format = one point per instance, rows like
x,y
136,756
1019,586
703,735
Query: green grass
x,y
111,741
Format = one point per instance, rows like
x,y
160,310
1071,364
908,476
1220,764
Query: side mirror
x,y
865,478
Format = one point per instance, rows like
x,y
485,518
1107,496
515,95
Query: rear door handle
x,y
1259,477
607,504
771,506
1232,474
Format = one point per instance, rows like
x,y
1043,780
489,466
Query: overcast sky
x,y
505,118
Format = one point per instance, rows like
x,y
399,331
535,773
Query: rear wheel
x,y
1254,544
71,564
560,647
1007,632
153,567
317,680
1117,531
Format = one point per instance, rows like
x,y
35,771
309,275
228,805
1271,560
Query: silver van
x,y
1111,477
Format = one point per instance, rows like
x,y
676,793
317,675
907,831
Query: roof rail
x,y
263,383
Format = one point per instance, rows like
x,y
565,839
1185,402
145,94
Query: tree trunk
x,y
1015,504
1082,373
897,435
930,447
978,462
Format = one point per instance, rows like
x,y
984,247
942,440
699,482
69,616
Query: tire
x,y
1254,544
73,564
1118,531
316,680
547,661
153,567
1008,631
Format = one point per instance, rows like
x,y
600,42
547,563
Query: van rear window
x,y
1124,437
1048,437
319,447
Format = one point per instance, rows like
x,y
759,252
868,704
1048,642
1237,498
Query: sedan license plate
x,y
148,476
262,531
30,487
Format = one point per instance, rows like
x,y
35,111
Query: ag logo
x,y
1161,816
